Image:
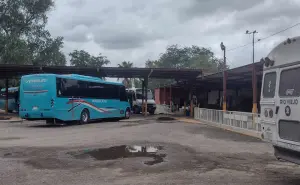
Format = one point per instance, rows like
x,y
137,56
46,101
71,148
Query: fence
x,y
244,122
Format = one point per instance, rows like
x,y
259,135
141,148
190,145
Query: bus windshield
x,y
288,86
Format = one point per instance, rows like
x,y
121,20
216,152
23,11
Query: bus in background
x,y
136,100
280,98
72,97
13,99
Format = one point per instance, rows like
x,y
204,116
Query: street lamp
x,y
254,83
223,48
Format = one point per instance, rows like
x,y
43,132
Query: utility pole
x,y
223,48
254,81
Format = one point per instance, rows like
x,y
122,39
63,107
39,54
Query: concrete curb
x,y
225,127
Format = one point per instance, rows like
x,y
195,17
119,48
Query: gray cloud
x,y
196,8
138,30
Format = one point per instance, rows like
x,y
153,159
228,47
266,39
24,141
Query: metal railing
x,y
241,120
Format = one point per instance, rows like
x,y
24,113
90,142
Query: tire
x,y
84,117
152,112
127,113
10,111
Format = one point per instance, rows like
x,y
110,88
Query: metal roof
x,y
239,75
8,71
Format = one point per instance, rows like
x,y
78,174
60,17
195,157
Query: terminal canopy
x,y
8,71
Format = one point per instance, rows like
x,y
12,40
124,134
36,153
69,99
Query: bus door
x,y
269,104
289,109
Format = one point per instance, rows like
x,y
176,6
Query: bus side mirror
x,y
277,109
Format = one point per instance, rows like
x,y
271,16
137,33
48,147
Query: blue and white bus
x,y
72,97
13,99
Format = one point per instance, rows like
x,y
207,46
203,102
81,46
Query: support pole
x,y
223,48
184,110
191,104
171,98
254,81
224,83
146,95
6,97
165,95
143,88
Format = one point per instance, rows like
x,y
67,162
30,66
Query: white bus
x,y
135,98
280,98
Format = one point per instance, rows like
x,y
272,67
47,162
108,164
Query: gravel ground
x,y
170,152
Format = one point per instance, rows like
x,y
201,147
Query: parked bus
x,y
135,98
13,99
72,97
280,98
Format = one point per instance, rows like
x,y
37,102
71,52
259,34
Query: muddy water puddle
x,y
124,151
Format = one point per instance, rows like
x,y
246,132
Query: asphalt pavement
x,y
136,151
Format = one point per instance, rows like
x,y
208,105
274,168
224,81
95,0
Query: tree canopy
x,y
184,57
84,59
130,82
23,37
187,57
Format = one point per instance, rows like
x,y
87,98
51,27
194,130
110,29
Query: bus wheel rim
x,y
84,117
127,114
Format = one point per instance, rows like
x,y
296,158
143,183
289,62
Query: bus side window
x,y
123,95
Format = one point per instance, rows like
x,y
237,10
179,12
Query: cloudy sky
x,y
137,30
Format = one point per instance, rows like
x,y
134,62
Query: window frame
x,y
263,83
88,92
279,83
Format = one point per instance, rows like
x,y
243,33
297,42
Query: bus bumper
x,y
287,154
41,115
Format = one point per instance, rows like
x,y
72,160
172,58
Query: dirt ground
x,y
136,152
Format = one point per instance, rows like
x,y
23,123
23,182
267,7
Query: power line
x,y
279,32
265,37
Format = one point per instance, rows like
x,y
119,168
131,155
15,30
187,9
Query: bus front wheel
x,y
84,116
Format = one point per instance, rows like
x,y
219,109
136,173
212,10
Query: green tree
x,y
184,57
126,64
84,59
50,53
130,82
23,38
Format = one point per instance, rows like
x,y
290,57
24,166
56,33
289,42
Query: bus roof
x,y
285,53
77,77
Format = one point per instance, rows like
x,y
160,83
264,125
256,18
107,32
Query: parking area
x,y
136,151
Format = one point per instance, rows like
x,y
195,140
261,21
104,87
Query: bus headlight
x,y
266,113
271,113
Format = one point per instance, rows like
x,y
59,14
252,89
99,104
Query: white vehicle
x,y
280,97
135,98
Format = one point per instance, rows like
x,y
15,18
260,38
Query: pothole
x,y
124,151
166,118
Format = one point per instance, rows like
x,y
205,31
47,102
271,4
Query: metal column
x,y
171,98
165,95
143,88
6,98
146,95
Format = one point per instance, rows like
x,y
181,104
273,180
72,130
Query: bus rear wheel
x,y
84,117
127,113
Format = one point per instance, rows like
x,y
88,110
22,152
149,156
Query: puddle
x,y
123,151
166,118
